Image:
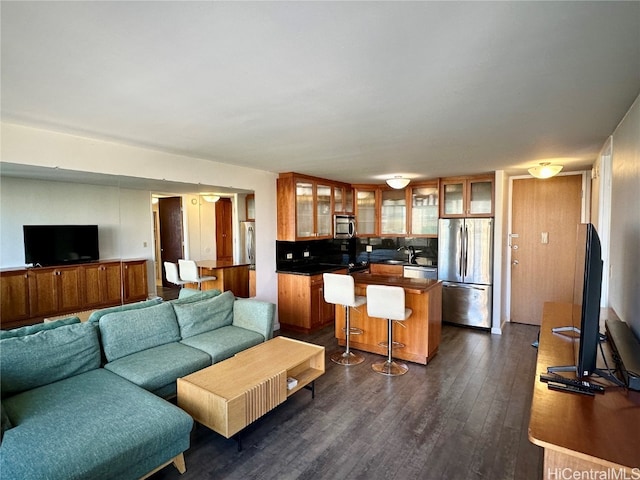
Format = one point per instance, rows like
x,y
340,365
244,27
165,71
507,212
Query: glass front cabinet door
x,y
393,212
466,196
424,210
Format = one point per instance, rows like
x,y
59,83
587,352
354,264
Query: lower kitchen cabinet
x,y
301,305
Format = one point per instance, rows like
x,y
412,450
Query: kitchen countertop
x,y
313,269
216,264
410,285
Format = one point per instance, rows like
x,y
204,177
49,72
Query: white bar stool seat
x,y
384,301
340,290
171,272
189,273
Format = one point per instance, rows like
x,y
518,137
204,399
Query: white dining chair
x,y
171,272
189,273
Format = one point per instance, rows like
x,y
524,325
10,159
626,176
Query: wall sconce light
x,y
545,170
398,182
211,198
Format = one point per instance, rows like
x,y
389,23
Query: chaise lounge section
x,y
85,400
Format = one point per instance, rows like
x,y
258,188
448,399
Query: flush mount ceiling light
x,y
398,182
211,198
545,170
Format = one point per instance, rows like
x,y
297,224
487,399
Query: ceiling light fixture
x,y
545,170
398,182
211,198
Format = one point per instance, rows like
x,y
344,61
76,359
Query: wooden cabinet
x,y
301,305
304,208
393,212
342,199
14,295
135,280
466,196
366,211
250,207
383,269
103,284
55,290
30,295
423,210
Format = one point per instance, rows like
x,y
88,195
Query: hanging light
x,y
211,198
398,182
545,170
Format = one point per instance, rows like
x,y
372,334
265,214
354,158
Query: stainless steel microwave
x,y
344,226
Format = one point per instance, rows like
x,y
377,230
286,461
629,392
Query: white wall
x,y
624,286
31,146
35,202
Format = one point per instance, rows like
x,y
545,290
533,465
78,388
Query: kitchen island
x,y
421,332
229,276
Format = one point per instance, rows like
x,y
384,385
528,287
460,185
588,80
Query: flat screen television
x,y
585,318
48,245
586,298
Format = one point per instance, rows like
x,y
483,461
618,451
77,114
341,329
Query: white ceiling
x,y
352,91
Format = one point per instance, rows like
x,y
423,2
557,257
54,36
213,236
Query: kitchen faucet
x,y
411,253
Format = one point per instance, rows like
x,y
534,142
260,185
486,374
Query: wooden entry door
x,y
224,230
170,220
545,215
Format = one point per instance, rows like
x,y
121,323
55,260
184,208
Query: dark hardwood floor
x,y
463,416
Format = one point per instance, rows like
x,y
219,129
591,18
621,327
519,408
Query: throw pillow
x,y
203,316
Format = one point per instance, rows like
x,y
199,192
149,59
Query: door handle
x,y
515,262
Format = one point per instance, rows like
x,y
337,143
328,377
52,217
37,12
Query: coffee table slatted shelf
x,y
230,395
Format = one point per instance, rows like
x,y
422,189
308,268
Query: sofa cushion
x,y
224,342
199,317
95,425
6,421
98,314
47,356
157,367
38,327
254,315
131,331
192,295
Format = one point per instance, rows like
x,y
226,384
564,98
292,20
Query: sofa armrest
x,y
254,315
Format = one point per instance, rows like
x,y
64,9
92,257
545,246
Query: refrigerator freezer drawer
x,y
467,304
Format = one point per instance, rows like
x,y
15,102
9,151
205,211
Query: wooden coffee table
x,y
228,396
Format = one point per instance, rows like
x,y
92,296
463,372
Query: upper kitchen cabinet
x,y
250,207
393,212
342,199
366,211
305,207
423,212
466,196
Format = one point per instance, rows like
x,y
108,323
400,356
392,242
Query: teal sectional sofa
x,y
85,400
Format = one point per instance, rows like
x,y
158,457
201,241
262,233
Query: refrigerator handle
x,y
461,244
466,246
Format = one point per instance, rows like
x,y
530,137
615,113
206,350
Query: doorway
x,y
224,230
170,233
545,214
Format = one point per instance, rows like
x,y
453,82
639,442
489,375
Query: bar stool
x,y
189,273
171,271
385,301
340,290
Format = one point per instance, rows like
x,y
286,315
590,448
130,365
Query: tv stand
x,y
580,433
30,295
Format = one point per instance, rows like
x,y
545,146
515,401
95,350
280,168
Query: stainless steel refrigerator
x,y
248,242
465,266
